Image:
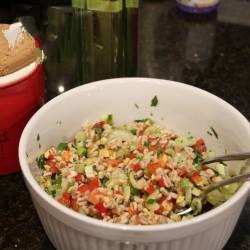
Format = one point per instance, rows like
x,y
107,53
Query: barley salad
x,y
136,173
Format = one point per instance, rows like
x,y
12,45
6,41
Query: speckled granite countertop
x,y
212,53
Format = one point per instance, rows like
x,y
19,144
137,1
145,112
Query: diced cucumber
x,y
81,150
89,171
138,184
188,195
152,205
79,168
196,192
81,136
220,169
121,134
196,205
126,192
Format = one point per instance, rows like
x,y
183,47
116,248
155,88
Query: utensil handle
x,y
238,178
230,157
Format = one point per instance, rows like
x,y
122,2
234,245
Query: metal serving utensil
x,y
213,186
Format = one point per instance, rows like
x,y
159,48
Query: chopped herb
x,y
142,120
139,157
39,145
145,120
136,105
98,130
133,131
154,101
109,119
101,146
94,168
150,201
146,144
51,192
104,180
38,137
159,152
58,180
210,133
198,158
41,161
133,191
62,146
214,132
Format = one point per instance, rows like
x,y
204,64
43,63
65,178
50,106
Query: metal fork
x,y
238,178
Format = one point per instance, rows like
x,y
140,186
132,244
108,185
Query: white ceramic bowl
x,y
182,108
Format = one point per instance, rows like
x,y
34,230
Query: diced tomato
x,y
200,145
78,178
195,177
182,172
153,147
132,212
99,124
50,157
150,189
177,149
161,182
152,167
131,155
54,169
112,162
95,196
65,199
83,188
94,183
141,132
140,148
160,210
101,209
74,204
135,166
163,198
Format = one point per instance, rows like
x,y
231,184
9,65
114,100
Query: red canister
x,y
21,94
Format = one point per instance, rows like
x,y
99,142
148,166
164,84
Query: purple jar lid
x,y
196,10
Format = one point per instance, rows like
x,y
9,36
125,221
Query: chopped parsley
x,y
133,131
198,158
41,161
150,201
154,101
62,146
104,181
214,132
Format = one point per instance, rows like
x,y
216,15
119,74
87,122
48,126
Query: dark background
x,y
211,52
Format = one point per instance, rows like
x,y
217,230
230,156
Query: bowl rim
x,y
109,225
18,76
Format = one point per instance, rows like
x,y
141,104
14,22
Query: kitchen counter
x,y
211,52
